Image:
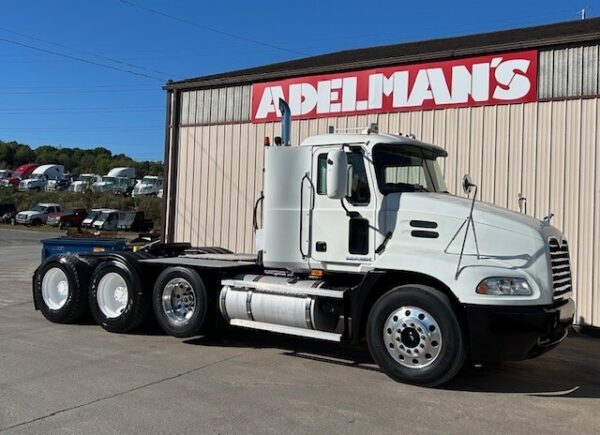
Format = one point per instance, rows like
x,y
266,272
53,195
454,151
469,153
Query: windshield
x,y
86,178
126,217
108,179
38,208
407,169
147,180
92,215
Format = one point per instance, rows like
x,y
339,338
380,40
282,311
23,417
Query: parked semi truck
x,y
360,244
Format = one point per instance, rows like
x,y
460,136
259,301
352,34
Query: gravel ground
x,y
81,379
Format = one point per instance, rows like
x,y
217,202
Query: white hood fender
x,y
510,244
30,213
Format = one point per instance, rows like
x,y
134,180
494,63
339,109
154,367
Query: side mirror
x,y
467,184
337,174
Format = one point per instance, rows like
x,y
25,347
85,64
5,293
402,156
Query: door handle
x,y
321,247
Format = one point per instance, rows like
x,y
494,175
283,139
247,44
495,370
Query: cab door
x,y
342,230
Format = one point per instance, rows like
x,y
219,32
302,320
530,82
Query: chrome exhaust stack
x,y
286,122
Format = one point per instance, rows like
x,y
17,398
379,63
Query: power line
x,y
212,29
90,53
80,59
79,92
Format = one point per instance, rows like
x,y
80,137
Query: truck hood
x,y
439,206
29,213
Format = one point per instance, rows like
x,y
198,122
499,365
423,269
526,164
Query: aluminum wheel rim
x,y
412,337
55,288
178,301
112,295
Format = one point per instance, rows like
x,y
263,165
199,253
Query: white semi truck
x,y
40,177
120,181
361,244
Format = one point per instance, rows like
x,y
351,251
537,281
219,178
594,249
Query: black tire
x,y
36,223
64,225
77,273
136,307
452,352
198,320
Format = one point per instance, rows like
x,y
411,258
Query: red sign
x,y
476,81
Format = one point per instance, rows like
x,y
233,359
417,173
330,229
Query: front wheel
x,y
415,336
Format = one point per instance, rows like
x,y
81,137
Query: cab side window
x,y
322,174
358,182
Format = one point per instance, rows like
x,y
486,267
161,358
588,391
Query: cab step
x,y
288,330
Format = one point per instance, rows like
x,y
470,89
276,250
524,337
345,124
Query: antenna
x,y
583,13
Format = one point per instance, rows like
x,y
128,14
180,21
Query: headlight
x,y
504,287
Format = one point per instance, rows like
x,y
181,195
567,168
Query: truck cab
x,y
150,185
118,180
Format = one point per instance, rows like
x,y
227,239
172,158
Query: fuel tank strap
x,y
283,289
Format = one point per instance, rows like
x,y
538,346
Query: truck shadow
x,y
572,370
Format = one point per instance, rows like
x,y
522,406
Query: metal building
x,y
519,110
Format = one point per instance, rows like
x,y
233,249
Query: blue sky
x,y
51,98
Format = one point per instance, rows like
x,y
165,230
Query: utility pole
x,y
583,13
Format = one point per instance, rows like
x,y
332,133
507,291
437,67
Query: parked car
x,y
38,214
22,172
8,211
134,221
91,217
67,218
107,220
149,186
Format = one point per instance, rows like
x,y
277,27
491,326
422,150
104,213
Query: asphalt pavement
x,y
81,379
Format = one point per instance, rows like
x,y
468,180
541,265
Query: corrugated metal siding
x,y
215,106
568,72
548,151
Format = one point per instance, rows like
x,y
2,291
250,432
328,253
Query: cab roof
x,y
371,140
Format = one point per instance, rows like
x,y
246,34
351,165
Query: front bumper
x,y
499,333
22,220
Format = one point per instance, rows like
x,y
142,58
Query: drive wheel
x,y
180,302
59,289
116,298
415,336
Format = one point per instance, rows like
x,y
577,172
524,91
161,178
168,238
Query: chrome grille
x,y
561,268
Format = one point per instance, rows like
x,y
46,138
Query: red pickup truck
x,y
67,218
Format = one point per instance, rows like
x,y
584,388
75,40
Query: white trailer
x,y
361,244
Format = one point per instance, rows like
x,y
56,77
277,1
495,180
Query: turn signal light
x,y
316,273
